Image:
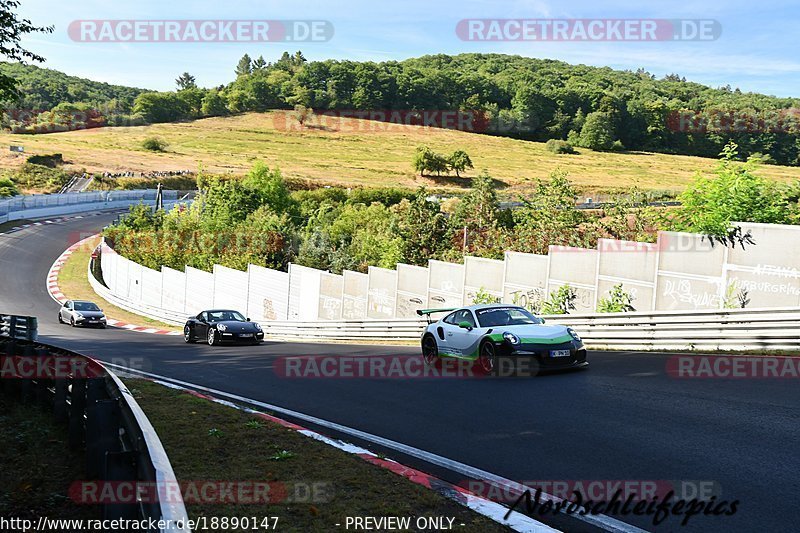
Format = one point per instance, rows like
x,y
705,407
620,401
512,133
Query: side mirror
x,y
248,319
465,325
543,320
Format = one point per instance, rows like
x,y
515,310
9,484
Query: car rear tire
x,y
487,357
212,337
187,335
60,320
430,351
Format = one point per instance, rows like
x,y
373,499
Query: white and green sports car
x,y
501,337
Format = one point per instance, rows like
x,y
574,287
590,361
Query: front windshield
x,y
86,306
505,316
223,316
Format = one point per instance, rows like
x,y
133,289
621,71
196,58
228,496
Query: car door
x,y
445,333
464,340
65,311
201,326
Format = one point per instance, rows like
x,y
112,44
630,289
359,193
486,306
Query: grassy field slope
x,y
354,152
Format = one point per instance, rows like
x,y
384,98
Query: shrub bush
x,y
7,188
155,144
557,146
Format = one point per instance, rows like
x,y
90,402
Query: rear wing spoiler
x,y
428,312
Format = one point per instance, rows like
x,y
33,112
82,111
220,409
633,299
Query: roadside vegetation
x,y
7,188
259,220
325,484
36,175
37,466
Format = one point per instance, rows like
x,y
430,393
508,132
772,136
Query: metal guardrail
x,y
734,329
102,417
739,329
17,204
19,327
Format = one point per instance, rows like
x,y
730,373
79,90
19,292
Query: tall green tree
x,y
245,66
12,30
598,131
460,161
185,81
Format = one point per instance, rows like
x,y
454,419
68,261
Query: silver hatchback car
x,y
81,313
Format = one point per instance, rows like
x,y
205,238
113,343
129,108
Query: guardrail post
x,y
77,408
44,379
28,355
4,354
102,434
12,384
60,400
120,466
32,328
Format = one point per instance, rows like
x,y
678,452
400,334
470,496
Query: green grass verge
x,y
73,282
207,441
36,465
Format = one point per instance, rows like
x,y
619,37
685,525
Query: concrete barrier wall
x,y
268,294
576,267
483,275
382,293
630,264
525,279
354,295
331,292
412,290
681,272
445,284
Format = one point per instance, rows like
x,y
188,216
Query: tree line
x,y
527,98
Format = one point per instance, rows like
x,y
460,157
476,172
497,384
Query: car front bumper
x,y
228,336
90,322
531,360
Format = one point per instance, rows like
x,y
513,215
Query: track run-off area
x,y
626,418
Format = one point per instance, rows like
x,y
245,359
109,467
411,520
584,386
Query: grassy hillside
x,y
354,152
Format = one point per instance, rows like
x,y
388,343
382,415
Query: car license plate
x,y
246,335
559,353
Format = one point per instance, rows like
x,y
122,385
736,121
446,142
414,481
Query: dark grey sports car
x,y
222,325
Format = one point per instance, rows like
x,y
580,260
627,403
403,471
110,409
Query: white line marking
x,y
606,523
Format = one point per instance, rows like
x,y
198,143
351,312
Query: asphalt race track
x,y
622,419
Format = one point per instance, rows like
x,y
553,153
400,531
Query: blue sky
x,y
757,50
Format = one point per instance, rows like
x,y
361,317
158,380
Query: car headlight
x,y
510,337
257,325
222,327
574,334
78,315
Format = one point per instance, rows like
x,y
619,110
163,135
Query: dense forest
x,y
43,89
537,99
